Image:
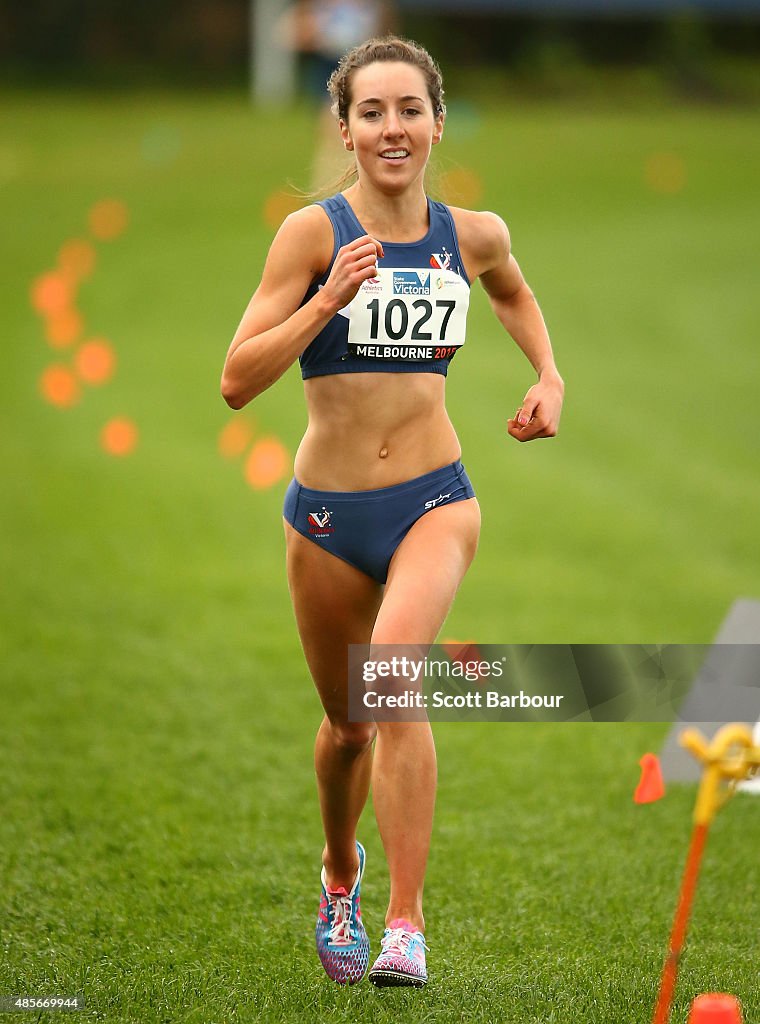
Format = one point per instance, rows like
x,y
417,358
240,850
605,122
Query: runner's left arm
x,y
515,305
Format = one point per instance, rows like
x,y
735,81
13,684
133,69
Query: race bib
x,y
409,314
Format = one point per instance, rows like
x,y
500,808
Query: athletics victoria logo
x,y
319,523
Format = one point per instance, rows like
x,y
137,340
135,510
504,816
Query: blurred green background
x,y
160,836
637,232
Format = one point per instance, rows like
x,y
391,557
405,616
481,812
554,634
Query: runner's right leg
x,y
335,605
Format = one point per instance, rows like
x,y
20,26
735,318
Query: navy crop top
x,y
411,318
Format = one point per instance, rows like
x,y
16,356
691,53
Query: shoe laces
x,y
339,901
397,940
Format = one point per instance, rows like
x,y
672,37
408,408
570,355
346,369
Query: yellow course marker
x,y
728,759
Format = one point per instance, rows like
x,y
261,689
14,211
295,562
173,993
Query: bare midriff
x,y
369,430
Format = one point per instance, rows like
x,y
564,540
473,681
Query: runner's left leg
x,y
424,575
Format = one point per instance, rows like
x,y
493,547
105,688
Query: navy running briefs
x,y
364,528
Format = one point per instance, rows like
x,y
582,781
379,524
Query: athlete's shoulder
x,y
483,238
306,235
309,221
481,230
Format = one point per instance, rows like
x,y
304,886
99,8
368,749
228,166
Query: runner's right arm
x,y
274,331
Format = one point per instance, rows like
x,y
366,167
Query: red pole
x,y
680,924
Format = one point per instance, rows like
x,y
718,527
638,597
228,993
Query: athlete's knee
x,y
406,730
352,737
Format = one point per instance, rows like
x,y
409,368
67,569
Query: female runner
x,y
381,522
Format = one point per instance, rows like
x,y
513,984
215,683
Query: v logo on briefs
x,y
319,523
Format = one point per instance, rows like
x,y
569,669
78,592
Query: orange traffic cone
x,y
715,1008
650,787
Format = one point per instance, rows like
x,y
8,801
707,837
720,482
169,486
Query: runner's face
x,y
391,125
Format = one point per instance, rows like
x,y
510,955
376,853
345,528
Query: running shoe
x,y
342,941
402,960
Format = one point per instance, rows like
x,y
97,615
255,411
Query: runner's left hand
x,y
539,414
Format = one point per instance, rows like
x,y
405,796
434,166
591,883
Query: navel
x,y
383,453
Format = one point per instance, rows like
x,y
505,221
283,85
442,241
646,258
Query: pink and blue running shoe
x,y
402,960
342,941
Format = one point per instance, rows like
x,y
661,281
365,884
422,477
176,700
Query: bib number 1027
x,y
397,319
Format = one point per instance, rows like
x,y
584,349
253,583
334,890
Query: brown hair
x,y
388,48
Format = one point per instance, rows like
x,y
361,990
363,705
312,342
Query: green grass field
x,y
159,840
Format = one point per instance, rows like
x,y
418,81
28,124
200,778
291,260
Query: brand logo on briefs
x,y
436,501
319,523
411,282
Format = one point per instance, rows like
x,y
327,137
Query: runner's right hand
x,y
354,263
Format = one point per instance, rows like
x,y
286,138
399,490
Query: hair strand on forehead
x,y
378,50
